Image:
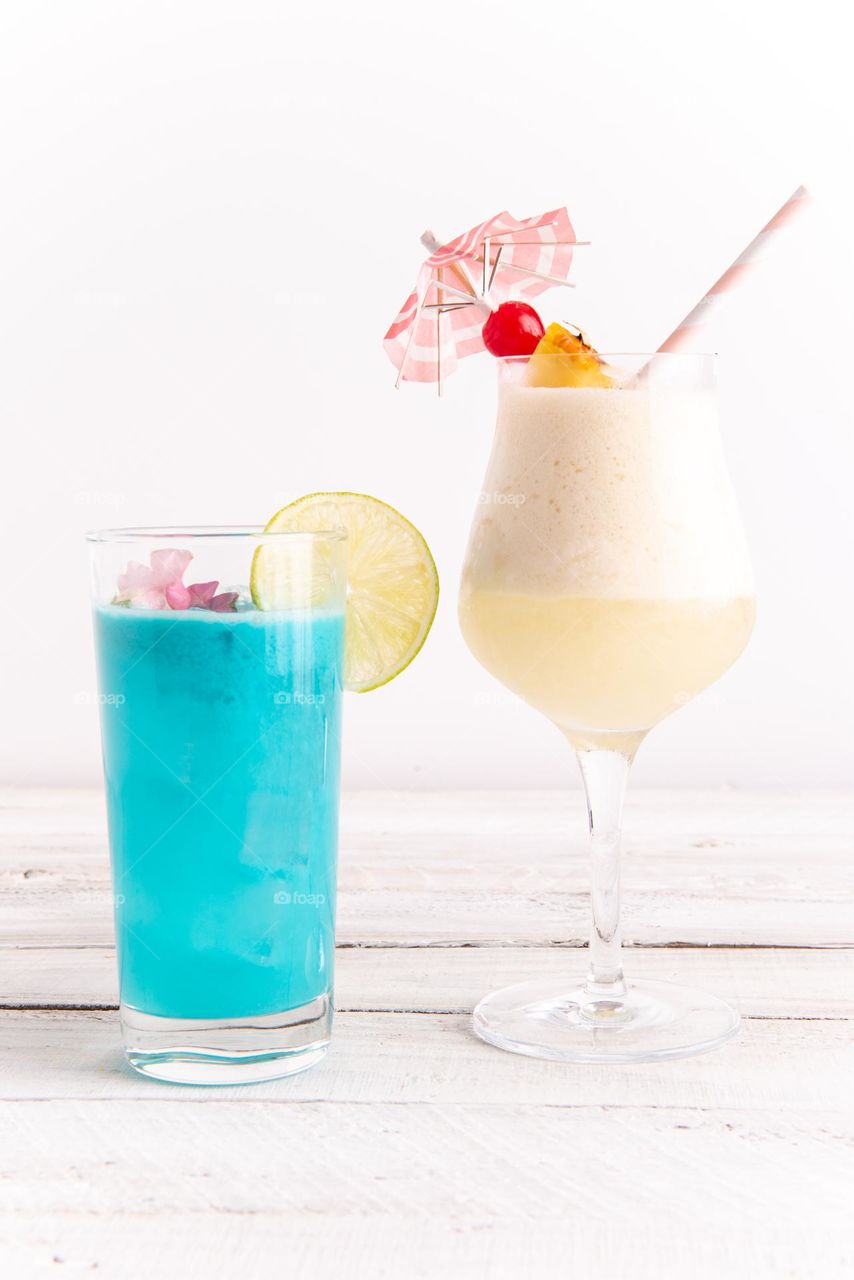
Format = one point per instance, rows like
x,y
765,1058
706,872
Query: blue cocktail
x,y
221,735
221,761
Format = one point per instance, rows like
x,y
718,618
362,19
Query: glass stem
x,y
605,774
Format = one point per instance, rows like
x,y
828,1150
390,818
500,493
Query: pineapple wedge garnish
x,y
564,359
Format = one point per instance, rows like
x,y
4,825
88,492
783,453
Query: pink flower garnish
x,y
160,585
201,594
226,602
178,596
168,567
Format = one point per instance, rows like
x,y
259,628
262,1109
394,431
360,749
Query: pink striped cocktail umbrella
x,y
464,280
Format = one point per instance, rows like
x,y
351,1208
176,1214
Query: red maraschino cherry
x,y
513,329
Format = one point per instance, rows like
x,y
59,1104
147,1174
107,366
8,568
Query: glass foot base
x,y
227,1050
650,1021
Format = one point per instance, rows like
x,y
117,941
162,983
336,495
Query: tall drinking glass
x,y
221,730
607,582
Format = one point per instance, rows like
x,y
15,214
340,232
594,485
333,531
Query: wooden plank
x,y
412,1191
544,916
78,813
774,982
468,868
493,1245
386,1057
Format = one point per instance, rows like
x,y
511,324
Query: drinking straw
x,y
685,332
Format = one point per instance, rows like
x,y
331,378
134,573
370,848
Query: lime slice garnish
x,y
392,583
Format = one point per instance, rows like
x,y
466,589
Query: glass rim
x,y
610,355
141,533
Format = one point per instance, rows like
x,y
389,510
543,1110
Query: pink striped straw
x,y
685,333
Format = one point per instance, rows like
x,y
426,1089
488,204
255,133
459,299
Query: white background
x,y
210,214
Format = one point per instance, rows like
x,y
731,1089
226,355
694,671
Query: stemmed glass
x,y
607,582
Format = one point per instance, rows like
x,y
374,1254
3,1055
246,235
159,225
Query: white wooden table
x,y
414,1150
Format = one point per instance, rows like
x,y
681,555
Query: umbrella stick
x,y
430,241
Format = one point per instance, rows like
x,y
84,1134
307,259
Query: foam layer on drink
x,y
618,493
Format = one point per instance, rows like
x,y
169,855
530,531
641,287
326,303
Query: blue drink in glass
x,y
221,736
